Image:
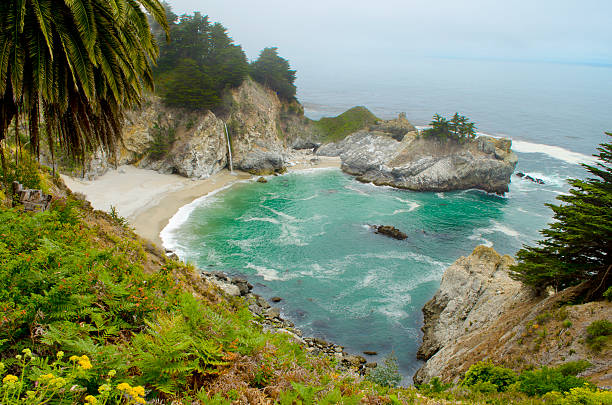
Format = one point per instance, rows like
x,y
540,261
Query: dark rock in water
x,y
276,299
390,231
370,353
371,365
262,180
532,179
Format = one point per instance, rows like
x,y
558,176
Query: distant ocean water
x,y
305,236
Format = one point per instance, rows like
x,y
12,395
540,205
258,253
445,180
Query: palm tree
x,y
70,67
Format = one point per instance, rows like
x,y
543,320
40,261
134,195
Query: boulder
x,y
262,163
390,231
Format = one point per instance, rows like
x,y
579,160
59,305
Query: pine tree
x,y
578,245
274,72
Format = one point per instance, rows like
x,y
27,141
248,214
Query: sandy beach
x,y
149,199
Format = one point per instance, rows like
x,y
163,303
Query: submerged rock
x,y
262,180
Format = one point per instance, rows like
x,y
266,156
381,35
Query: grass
x,y
337,128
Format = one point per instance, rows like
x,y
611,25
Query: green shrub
x,y
608,294
573,367
486,372
579,396
541,381
435,386
598,334
26,172
162,140
386,374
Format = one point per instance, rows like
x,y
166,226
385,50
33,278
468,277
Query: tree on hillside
x,y
208,52
274,72
72,67
578,245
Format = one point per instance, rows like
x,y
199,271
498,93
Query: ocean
x,y
305,236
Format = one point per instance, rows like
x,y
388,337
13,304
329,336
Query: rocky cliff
x,y
480,313
260,127
386,155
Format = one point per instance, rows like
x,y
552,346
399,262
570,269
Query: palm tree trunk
x,y
4,169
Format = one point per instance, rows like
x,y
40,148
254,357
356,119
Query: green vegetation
x,y
69,68
386,374
458,128
198,63
560,379
578,243
163,136
337,128
274,72
598,334
486,377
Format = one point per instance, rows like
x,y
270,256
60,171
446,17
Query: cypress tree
x,y
577,246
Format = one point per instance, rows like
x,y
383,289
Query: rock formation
x,y
389,231
480,313
425,164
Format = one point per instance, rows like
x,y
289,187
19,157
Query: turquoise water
x,y
305,236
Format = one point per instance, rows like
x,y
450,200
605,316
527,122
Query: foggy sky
x,y
329,32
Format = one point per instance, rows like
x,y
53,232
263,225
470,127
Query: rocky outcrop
x,y
474,292
425,164
397,128
480,313
389,231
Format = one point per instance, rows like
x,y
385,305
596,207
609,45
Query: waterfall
x,y
229,148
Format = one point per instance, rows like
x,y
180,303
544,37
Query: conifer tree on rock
x,y
578,245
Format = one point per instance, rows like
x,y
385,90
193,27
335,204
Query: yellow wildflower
x,y
47,376
123,387
27,352
74,358
90,399
139,400
139,390
104,388
112,373
84,362
60,354
10,379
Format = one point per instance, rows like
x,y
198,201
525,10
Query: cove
x,y
305,237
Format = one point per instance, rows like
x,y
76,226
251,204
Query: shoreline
x,y
149,199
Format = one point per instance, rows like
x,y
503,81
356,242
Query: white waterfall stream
x,y
229,148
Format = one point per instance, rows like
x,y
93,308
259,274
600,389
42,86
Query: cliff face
x,y
480,313
425,164
194,143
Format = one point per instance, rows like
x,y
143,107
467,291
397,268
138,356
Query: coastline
x,y
149,199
